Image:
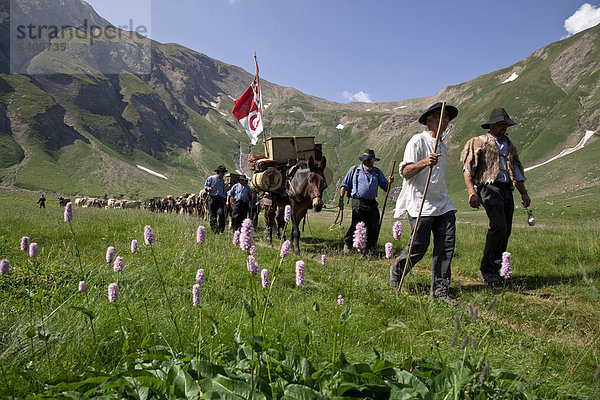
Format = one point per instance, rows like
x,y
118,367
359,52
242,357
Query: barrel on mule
x,y
270,180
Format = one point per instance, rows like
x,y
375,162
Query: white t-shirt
x,y
437,201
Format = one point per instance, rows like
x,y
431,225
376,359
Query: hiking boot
x,y
490,279
347,249
441,293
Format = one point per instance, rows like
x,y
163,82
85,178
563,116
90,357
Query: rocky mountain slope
x,y
88,132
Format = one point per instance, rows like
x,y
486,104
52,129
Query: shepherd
x,y
424,200
238,198
215,186
491,162
361,183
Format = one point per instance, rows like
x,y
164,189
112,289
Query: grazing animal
x,y
305,183
62,201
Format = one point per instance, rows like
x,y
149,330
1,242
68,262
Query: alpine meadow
x,y
115,300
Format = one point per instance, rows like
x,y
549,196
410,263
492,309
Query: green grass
x,y
546,330
10,152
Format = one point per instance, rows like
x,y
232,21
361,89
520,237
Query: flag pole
x,y
260,101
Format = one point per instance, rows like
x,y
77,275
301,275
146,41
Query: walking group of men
x,y
240,199
492,170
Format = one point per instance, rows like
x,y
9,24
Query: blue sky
x,y
360,50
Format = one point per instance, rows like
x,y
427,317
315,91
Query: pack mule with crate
x,y
274,171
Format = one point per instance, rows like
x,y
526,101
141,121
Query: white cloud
x,y
587,16
361,96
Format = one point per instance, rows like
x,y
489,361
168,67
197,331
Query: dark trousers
x,y
497,199
216,208
364,211
443,228
239,212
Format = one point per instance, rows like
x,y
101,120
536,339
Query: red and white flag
x,y
247,110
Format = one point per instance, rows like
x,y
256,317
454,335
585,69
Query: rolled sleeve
x,y
411,153
382,180
208,182
347,183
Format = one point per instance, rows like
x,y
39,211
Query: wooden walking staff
x,y
387,193
412,237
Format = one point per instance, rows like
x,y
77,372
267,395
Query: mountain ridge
x,y
56,129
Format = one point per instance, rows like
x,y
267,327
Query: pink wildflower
x,y
200,235
33,250
24,243
82,286
236,238
148,235
389,250
253,251
397,230
196,295
300,273
360,237
264,276
506,269
118,265
287,215
68,212
253,267
323,260
113,292
4,267
134,244
110,254
340,300
246,232
200,277
285,249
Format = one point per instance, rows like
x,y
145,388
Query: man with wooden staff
x,y
491,162
361,182
436,213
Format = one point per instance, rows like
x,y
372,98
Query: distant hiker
x,y
215,186
492,165
361,183
438,214
42,202
239,198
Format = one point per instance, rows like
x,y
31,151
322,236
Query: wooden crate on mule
x,y
282,149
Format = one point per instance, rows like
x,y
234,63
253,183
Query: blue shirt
x,y
367,182
240,192
217,184
503,151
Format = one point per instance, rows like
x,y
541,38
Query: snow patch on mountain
x,y
148,170
582,142
511,78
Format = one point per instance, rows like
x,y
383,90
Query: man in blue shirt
x,y
215,186
361,182
238,198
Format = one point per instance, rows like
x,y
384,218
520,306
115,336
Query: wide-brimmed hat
x,y
451,110
498,114
243,178
368,155
221,168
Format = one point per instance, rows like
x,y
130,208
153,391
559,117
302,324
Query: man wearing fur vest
x,y
492,170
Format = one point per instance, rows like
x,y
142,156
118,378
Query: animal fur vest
x,y
481,160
